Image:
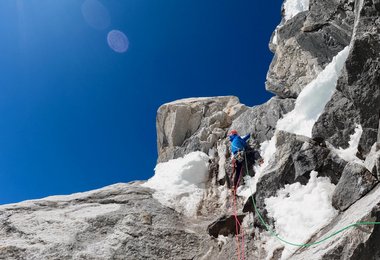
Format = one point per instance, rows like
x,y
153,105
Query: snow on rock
x,y
362,241
309,106
180,183
301,210
313,98
349,154
293,7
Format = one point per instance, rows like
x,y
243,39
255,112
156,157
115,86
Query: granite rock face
x,y
122,221
372,162
305,44
356,181
295,157
194,124
261,120
357,98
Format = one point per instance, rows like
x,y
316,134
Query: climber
x,y
238,149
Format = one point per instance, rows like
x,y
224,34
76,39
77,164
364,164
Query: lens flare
x,y
95,14
118,41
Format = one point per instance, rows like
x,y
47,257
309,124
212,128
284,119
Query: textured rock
x,y
261,120
333,167
314,156
355,182
224,226
357,97
194,124
372,162
121,221
296,156
281,170
306,43
310,157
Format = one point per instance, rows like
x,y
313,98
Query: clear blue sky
x,y
76,115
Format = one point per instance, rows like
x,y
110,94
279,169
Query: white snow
x,y
301,210
293,7
359,211
180,183
349,154
313,98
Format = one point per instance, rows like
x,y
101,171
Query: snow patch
x,y
301,210
293,7
313,98
180,183
349,154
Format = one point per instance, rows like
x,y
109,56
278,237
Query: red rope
x,y
238,225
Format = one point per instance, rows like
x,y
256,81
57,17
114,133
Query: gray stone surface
x,y
357,98
261,120
307,43
372,162
194,124
280,172
121,221
356,181
296,156
314,156
224,226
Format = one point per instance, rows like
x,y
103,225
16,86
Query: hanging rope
x,y
238,225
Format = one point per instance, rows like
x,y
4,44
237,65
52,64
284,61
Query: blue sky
x,y
76,115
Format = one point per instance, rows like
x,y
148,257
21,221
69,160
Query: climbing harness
x,y
239,156
274,234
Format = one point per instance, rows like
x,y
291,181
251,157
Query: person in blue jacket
x,y
238,146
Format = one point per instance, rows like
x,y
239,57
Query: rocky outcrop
x,y
295,157
121,221
357,96
194,124
372,162
224,226
356,181
314,156
305,44
261,120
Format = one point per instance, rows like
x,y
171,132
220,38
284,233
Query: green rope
x,y
271,231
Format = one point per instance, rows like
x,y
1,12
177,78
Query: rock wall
x,y
194,124
357,98
305,44
121,221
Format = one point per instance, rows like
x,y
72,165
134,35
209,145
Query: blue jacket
x,y
238,143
